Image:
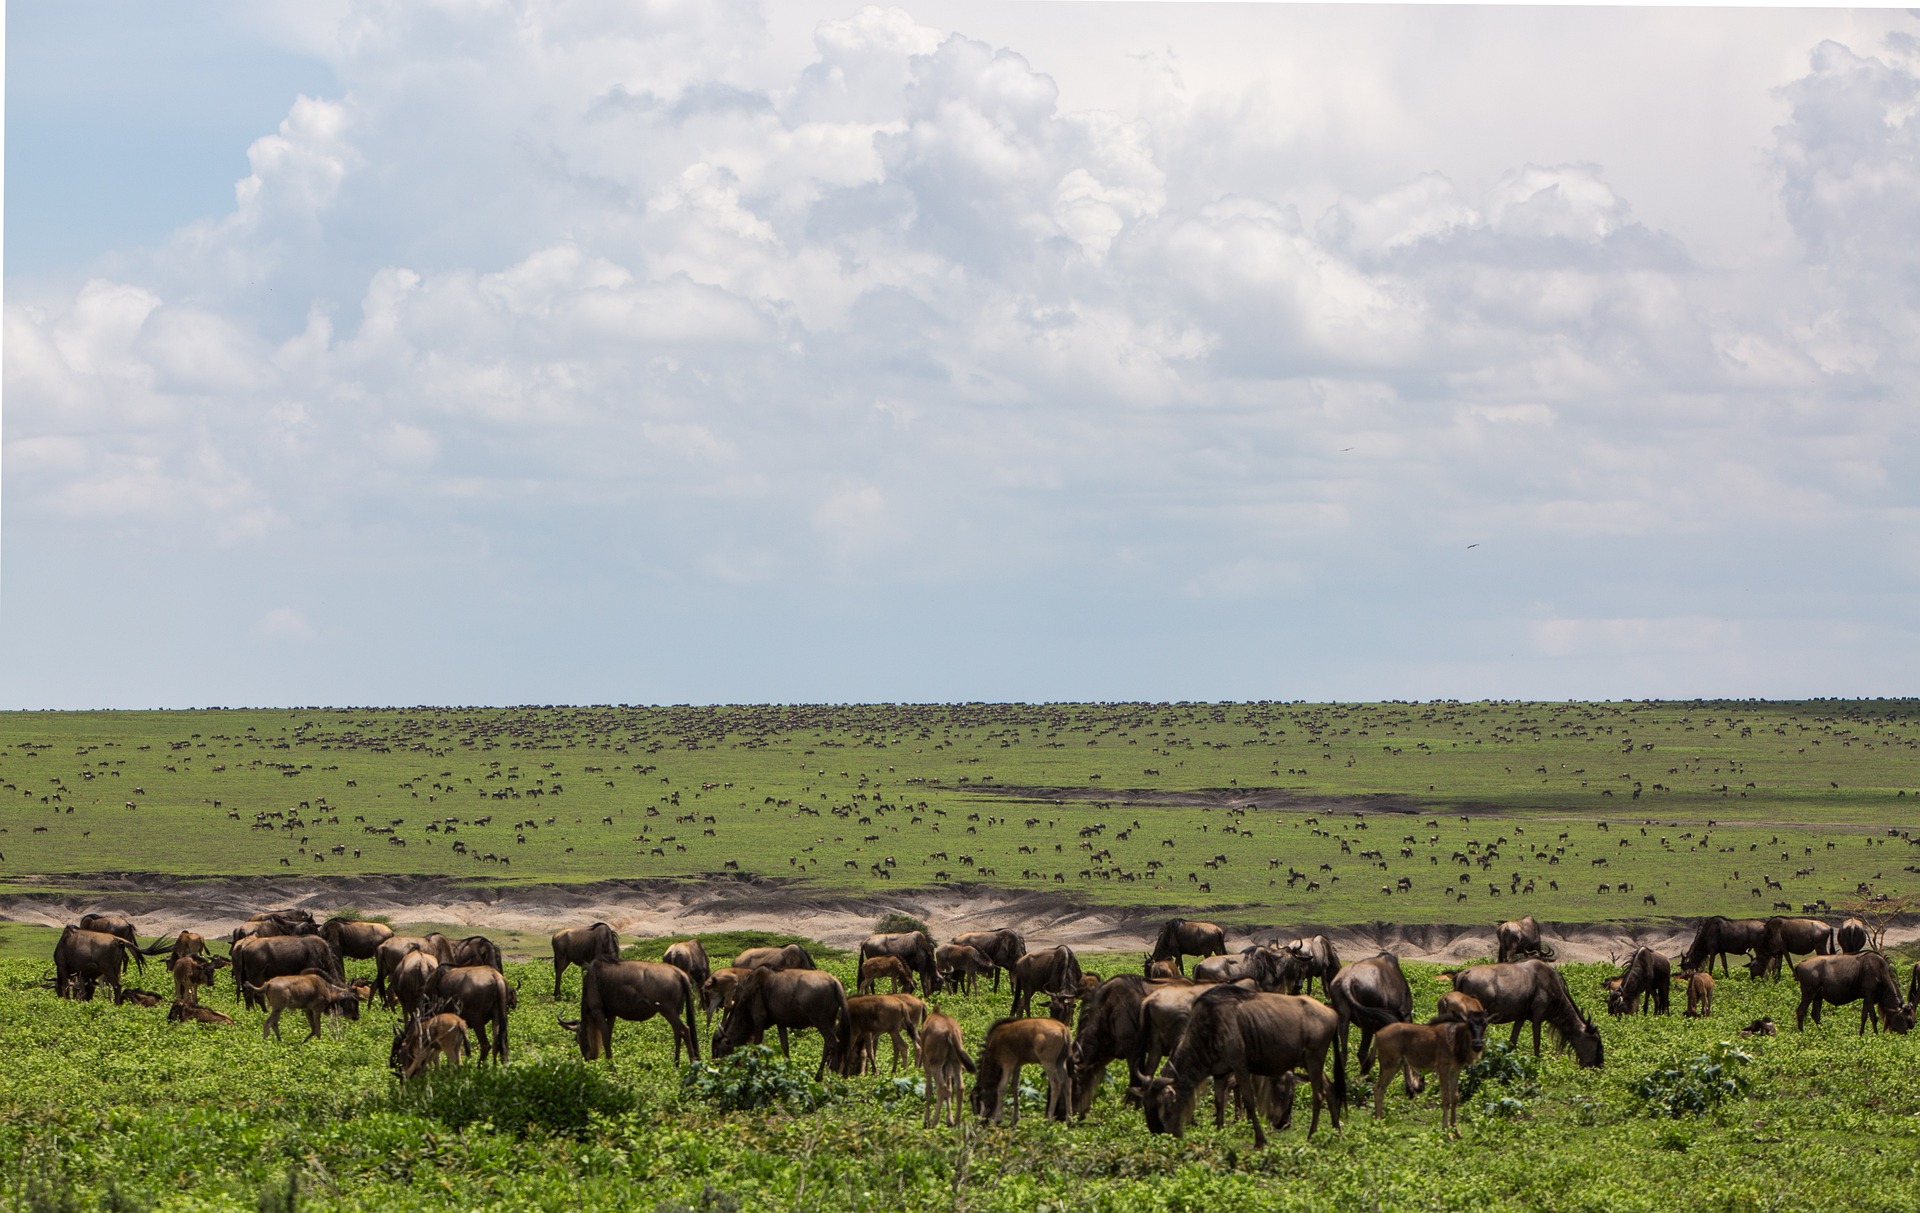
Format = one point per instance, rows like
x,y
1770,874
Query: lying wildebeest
x,y
787,998
793,956
192,972
1783,938
390,951
582,946
1371,993
1851,936
1699,985
1863,976
1317,959
1055,971
1271,969
81,958
1002,948
690,957
960,966
309,992
478,994
1643,985
474,950
914,950
1531,991
1763,1026
1520,939
1415,1048
139,998
180,1013
1182,937
636,990
943,1055
258,959
1109,1032
869,1017
409,983
1241,1032
892,968
717,990
426,1039
1720,937
1011,1044
357,939
271,923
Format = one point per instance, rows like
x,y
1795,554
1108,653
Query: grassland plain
x,y
112,1108
1262,812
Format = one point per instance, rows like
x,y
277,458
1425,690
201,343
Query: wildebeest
x,y
426,1039
1851,936
1182,937
475,950
1520,938
792,956
190,943
636,990
1241,1032
1414,1048
690,957
960,966
139,998
1371,993
478,994
312,993
1271,969
914,950
192,972
1055,971
110,924
271,923
1002,948
1164,1013
356,938
1699,993
787,998
181,1013
582,946
717,990
943,1055
1863,976
1720,937
869,1017
1531,991
1317,959
892,968
1783,938
409,982
1109,1031
1012,1043
259,958
389,952
82,957
1643,985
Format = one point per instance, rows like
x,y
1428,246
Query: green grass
x,y
1699,800
111,1107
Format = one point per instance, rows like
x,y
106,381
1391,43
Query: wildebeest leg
x,y
271,1025
1366,1048
1800,1014
1380,1082
559,967
784,1050
313,1024
500,1034
486,1044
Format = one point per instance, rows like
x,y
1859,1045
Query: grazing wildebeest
x,y
82,957
914,950
258,958
1699,984
309,992
943,1055
636,990
1164,1012
1244,1033
1851,936
1643,985
890,967
1520,939
389,952
1182,937
1414,1048
475,950
792,956
582,946
478,994
1317,959
1011,1044
1371,993
717,990
1271,969
1863,976
1002,948
787,998
1109,1032
356,938
424,1040
409,983
690,957
1531,991
961,965
1720,937
1782,938
1055,971
110,924
869,1017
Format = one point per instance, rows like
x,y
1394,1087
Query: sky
x,y
690,351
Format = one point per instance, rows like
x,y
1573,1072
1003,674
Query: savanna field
x,y
1249,814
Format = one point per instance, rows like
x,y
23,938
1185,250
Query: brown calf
x,y
1411,1048
309,992
420,1043
1699,993
875,967
943,1055
875,1015
180,1013
1011,1044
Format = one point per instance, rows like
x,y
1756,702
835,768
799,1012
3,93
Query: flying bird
x,y
1473,545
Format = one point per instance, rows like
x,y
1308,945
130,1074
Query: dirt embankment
x,y
643,908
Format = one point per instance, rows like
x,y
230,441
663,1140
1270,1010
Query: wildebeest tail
x,y
1546,951
693,1034
843,1036
1372,1018
162,944
1340,1070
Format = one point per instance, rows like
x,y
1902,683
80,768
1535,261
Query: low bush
x,y
896,923
557,1094
752,1078
1697,1085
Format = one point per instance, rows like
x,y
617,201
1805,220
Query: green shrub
x,y
752,1078
557,1094
1697,1085
895,923
1503,1064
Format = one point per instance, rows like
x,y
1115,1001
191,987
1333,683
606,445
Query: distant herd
x,y
1248,1021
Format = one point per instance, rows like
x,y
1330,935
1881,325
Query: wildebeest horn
x,y
571,1025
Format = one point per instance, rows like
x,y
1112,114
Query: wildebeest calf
x,y
943,1055
1414,1048
892,967
309,992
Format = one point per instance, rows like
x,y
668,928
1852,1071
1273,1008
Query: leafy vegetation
x,y
752,1079
1697,1085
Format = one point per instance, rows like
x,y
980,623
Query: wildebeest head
x,y
1587,1047
1166,1112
